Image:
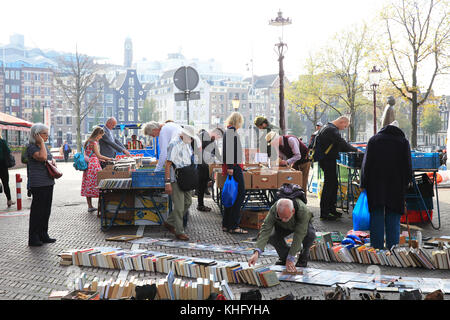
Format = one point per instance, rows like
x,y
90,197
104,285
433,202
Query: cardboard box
x,y
289,176
220,180
264,179
124,217
252,219
247,180
111,174
214,168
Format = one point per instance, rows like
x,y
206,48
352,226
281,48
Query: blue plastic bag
x,y
361,214
229,192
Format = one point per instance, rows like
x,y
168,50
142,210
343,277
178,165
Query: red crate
x,y
414,216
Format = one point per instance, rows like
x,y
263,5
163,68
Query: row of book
x,y
401,257
115,184
168,288
144,260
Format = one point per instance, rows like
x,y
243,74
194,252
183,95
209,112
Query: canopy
x,y
8,122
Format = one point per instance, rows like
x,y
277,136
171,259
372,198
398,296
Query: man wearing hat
x,y
265,127
292,152
319,125
179,153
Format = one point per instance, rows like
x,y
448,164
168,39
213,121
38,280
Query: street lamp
x,y
235,103
279,21
374,79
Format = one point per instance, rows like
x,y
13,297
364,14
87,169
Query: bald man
x,y
287,217
109,145
331,140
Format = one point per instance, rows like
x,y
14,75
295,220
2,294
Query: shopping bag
x,y
361,215
229,192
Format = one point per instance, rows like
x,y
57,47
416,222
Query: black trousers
x,y
4,176
66,156
203,178
277,240
41,207
232,216
329,191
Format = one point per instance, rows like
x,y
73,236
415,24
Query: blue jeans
x,y
380,218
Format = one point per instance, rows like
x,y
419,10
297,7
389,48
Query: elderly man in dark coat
x,y
385,175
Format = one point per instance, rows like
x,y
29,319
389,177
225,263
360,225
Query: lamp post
x,y
374,78
235,103
279,21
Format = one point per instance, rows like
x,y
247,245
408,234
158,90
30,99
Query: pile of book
x,y
115,184
151,261
125,164
401,257
168,288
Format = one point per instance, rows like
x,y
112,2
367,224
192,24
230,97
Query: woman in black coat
x,y
385,175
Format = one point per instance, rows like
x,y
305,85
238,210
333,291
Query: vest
x,y
286,149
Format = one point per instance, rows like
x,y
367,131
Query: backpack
x,y
291,191
24,157
79,162
317,152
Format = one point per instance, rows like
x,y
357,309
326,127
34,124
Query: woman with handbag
x,y
92,154
41,185
5,164
233,166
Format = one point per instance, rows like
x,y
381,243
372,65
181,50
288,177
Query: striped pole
x,y
19,191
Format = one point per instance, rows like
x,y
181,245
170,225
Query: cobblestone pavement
x,y
31,273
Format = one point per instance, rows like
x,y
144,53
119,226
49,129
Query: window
x,y
90,126
130,92
26,76
6,88
47,91
109,98
59,120
27,90
15,102
27,103
109,112
140,103
122,102
7,102
131,104
130,116
37,90
121,115
131,81
7,74
17,75
69,120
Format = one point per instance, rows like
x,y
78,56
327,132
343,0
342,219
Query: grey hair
x,y
149,127
283,204
35,129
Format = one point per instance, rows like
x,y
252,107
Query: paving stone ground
x,y
28,273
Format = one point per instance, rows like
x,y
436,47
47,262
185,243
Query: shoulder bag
x,y
53,171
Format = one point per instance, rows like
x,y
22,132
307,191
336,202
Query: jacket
x,y
298,224
329,134
386,170
110,146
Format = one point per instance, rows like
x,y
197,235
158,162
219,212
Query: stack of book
x,y
115,184
144,260
401,257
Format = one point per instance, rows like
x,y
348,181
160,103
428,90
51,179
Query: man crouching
x,y
287,216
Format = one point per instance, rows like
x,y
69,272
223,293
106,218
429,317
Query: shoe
x,y
280,262
337,214
207,193
10,203
34,241
330,217
169,227
46,239
92,209
204,208
29,193
182,237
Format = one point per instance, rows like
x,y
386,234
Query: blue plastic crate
x,y
425,160
147,178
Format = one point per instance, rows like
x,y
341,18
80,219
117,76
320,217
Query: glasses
x,y
43,133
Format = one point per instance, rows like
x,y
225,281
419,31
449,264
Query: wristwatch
x,y
167,180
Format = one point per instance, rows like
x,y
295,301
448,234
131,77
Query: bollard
x,y
18,191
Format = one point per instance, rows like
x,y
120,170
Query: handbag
x,y
53,171
187,177
10,161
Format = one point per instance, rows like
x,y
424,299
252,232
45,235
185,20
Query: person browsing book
x,y
287,217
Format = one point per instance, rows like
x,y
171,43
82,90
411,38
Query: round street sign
x,y
186,78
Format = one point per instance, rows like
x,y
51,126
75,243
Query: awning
x,y
9,122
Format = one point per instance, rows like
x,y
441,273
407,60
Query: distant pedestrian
x,y
4,174
386,172
134,143
233,165
66,151
89,183
41,185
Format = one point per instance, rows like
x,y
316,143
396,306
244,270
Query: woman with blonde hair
x,y
233,165
89,183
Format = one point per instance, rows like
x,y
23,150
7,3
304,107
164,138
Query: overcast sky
x,y
230,31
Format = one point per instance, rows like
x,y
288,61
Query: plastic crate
x,y
425,160
414,216
355,159
147,178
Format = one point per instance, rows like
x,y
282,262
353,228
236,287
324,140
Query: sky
x,y
230,31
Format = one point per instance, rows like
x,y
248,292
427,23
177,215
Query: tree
x,y
345,58
431,121
313,93
295,124
147,113
417,33
36,113
73,77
